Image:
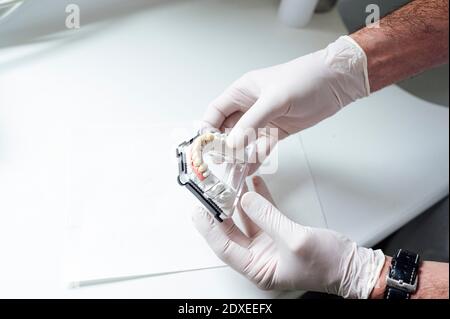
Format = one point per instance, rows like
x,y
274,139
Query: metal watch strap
x,y
403,275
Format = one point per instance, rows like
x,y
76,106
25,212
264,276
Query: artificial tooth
x,y
209,137
206,138
197,162
196,146
196,157
202,168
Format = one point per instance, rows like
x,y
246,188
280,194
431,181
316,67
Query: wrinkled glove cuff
x,y
347,64
363,59
361,276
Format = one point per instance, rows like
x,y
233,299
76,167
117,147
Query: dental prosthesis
x,y
213,172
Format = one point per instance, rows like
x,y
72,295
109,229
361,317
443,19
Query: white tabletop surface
x,y
179,55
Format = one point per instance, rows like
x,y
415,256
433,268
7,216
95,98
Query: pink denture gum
x,y
194,169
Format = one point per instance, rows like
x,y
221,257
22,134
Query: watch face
x,y
402,278
399,273
406,257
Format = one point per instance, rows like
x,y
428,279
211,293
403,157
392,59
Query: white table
x,y
175,56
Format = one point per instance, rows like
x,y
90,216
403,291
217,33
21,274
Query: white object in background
x,y
297,13
8,6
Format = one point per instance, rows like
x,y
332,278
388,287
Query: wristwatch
x,y
402,278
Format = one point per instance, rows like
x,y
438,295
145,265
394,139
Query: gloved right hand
x,y
277,253
291,96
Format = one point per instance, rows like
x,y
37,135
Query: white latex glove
x,y
294,95
277,253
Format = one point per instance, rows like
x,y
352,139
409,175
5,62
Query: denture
x,y
198,148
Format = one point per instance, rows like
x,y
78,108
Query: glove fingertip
x,y
248,201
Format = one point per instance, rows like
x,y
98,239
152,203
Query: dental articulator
x,y
213,172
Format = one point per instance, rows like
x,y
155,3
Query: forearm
x,y
408,41
432,283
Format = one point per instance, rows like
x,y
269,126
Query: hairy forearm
x,y
432,283
408,41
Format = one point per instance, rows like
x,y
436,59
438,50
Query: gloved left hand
x,y
269,104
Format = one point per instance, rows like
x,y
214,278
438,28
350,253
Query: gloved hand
x,y
291,96
277,253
